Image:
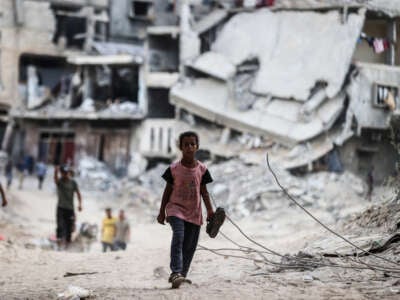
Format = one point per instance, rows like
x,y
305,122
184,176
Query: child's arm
x,y
78,193
3,196
164,201
206,199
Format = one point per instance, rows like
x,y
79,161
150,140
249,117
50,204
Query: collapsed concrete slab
x,y
211,100
297,50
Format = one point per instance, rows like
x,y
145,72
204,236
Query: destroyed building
x,y
314,83
318,78
73,77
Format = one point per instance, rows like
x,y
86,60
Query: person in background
x,y
66,187
3,196
370,183
41,170
122,235
21,168
9,172
108,230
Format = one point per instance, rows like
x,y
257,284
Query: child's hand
x,y
161,218
80,207
210,213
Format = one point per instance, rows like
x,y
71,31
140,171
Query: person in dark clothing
x,y
41,171
66,187
9,172
370,183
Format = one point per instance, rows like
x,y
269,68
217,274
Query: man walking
x,y
123,232
41,171
66,187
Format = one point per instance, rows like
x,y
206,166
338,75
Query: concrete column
x,y
392,35
90,30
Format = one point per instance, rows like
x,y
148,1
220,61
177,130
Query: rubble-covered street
x,y
292,106
34,271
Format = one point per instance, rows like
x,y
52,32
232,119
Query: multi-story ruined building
x,y
74,76
108,78
308,77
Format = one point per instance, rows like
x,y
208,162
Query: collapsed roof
x,y
297,52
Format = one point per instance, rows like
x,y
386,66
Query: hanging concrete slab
x,y
210,20
214,64
211,100
297,49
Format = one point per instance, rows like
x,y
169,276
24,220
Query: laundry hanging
x,y
378,44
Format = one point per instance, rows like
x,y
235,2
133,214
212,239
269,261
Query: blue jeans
x,y
185,236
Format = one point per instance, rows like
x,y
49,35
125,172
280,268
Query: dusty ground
x,y
141,272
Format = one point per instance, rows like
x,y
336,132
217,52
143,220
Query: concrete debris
x,y
244,189
137,165
94,174
288,55
87,105
121,108
210,20
214,64
243,96
189,42
385,216
75,293
308,278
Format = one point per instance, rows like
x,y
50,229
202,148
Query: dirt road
x,y
141,272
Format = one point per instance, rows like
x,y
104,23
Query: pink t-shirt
x,y
185,199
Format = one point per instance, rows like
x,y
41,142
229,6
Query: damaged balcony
x,y
80,87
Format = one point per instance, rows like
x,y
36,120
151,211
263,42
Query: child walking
x,y
181,205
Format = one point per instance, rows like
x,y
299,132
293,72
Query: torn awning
x,y
122,59
298,50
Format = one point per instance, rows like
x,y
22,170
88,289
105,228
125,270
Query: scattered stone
x,y
75,293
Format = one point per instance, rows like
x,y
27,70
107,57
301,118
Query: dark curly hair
x,y
188,134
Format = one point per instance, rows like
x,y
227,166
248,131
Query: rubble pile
x,y
144,192
95,175
383,217
243,189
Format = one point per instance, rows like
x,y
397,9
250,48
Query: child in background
x,y
181,205
108,231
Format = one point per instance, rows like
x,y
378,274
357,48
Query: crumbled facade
x,y
323,79
112,79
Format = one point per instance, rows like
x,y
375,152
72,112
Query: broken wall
x,y
62,141
359,154
126,25
362,92
163,53
26,33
